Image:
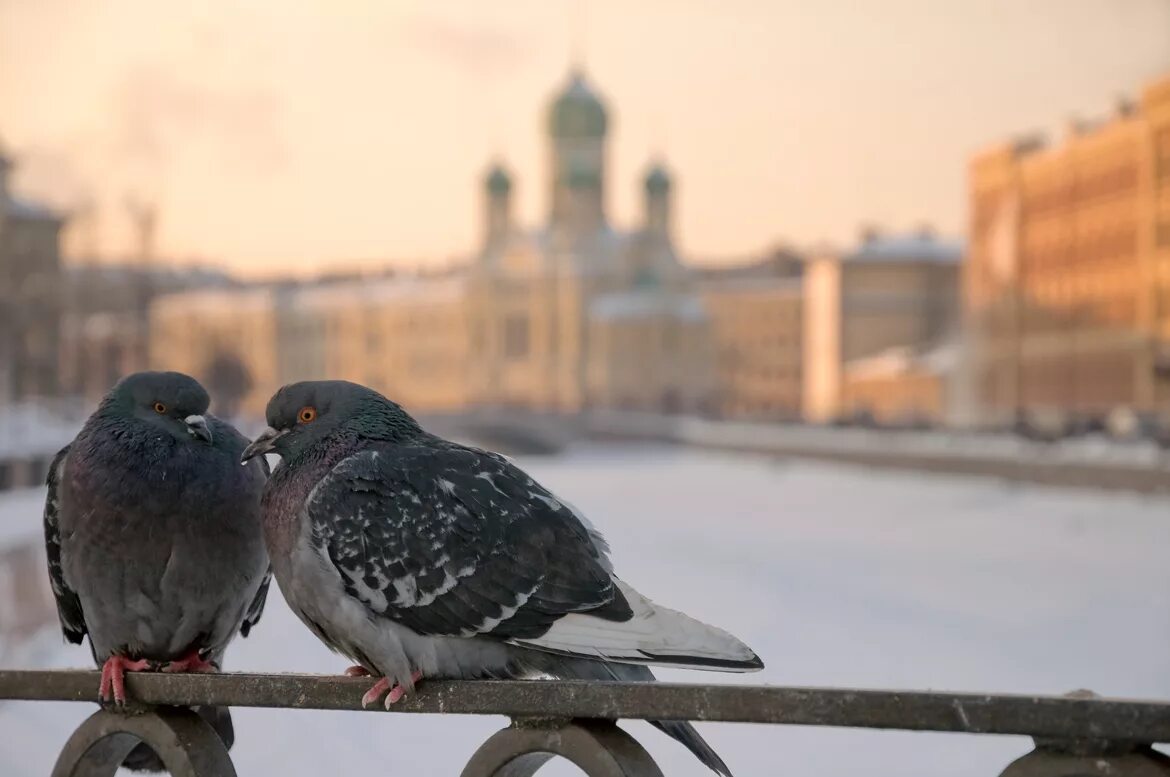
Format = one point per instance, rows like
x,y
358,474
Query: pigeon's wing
x,y
256,608
68,603
453,541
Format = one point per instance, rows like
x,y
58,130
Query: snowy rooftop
x,y
902,359
915,247
26,209
641,304
400,291
213,301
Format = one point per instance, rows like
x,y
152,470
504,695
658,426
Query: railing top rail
x,y
1038,716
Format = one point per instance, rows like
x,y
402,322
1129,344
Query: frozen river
x,y
835,576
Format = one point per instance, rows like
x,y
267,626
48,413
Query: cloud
x,y
479,50
155,111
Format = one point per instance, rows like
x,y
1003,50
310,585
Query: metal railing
x,y
1075,736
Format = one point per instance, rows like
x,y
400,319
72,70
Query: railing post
x,y
1080,759
187,745
1089,757
598,747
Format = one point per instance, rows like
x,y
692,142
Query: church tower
x,y
577,125
656,187
497,185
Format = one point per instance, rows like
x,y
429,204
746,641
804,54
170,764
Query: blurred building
x,y
191,331
757,322
902,386
1068,288
648,350
892,291
30,294
577,313
102,336
407,338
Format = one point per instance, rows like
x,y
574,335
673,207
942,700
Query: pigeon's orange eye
x,y
160,408
307,414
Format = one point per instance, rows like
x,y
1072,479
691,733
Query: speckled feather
x,y
143,531
154,542
404,552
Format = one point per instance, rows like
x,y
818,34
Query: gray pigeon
x,y
154,539
418,557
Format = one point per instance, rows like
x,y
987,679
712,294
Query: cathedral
x,y
575,313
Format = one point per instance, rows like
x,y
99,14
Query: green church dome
x,y
498,181
577,112
657,180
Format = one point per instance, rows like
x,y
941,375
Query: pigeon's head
x,y
170,401
301,415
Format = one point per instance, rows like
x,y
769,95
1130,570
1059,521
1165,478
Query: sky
x,y
284,135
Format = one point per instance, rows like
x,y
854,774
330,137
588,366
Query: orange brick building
x,y
1067,285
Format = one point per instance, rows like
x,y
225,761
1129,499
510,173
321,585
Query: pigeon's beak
x,y
197,426
265,443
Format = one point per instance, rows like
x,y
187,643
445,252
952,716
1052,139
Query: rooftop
x,y
914,247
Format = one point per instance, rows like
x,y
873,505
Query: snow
x,y
408,290
899,360
36,429
28,210
20,516
910,248
836,576
639,304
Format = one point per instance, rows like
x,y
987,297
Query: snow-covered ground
x,y
835,576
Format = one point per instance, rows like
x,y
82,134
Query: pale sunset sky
x,y
285,136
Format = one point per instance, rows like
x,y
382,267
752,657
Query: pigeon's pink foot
x,y
395,693
114,677
398,691
192,662
376,691
357,671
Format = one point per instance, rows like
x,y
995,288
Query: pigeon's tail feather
x,y
143,759
583,669
654,635
692,740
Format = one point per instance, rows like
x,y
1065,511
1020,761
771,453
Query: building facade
x,y
1067,295
30,294
757,323
903,387
570,315
892,291
191,331
555,311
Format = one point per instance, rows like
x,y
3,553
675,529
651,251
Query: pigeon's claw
x,y
396,692
357,671
376,691
191,662
113,683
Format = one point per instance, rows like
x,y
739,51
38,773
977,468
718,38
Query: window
x,y
516,338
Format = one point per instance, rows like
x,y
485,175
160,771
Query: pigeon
x,y
415,557
154,540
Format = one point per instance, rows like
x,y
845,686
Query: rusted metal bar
x,y
1040,716
187,745
599,748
